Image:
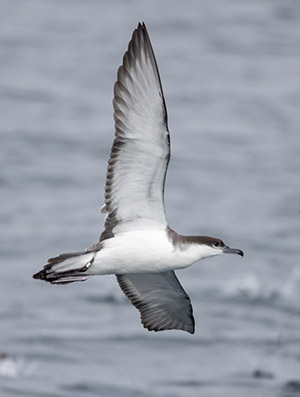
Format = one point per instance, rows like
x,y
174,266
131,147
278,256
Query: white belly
x,y
140,252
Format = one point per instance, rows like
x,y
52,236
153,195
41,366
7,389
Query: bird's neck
x,y
194,247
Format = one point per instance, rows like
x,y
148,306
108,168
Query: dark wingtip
x,y
142,26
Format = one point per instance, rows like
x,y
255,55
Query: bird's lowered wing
x,y
134,191
161,300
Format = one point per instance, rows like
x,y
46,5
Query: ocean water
x,y
230,72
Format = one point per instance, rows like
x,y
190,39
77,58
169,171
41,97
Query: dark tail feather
x,y
63,257
66,268
62,277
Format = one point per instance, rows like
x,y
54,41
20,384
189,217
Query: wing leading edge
x,y
137,167
161,300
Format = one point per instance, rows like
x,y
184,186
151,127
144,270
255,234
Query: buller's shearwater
x,y
137,245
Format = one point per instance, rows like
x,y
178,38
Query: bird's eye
x,y
216,244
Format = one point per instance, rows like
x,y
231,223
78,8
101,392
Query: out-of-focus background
x,y
230,72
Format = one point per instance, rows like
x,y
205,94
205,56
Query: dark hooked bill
x,y
228,250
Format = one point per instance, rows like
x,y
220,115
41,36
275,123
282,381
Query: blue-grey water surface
x,y
231,75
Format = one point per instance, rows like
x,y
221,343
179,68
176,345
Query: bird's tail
x,y
67,268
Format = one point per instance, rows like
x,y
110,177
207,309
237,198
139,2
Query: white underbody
x,y
145,251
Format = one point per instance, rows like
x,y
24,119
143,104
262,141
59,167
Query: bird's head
x,y
201,247
216,246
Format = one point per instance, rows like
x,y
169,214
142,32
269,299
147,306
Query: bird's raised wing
x,y
134,191
161,300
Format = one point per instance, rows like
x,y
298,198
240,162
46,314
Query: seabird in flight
x,y
137,244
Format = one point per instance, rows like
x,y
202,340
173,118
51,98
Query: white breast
x,y
144,251
134,252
